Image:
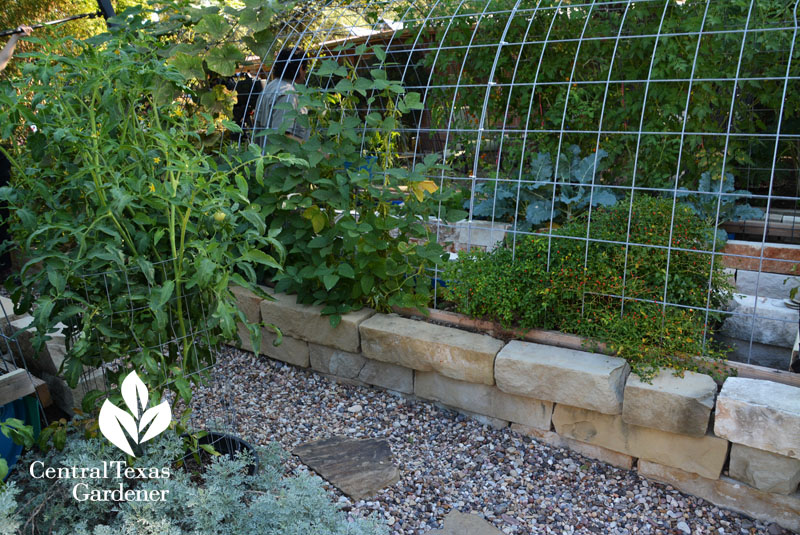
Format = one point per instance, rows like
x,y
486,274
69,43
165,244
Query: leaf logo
x,y
139,422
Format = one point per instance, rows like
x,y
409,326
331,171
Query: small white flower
x,y
34,129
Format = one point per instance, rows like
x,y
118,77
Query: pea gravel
x,y
451,461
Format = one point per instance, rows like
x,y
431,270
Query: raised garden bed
x,y
587,401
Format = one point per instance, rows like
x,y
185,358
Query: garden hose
x,y
104,9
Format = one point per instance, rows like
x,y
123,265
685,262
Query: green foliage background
x,y
571,77
130,230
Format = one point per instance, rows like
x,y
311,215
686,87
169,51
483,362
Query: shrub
x,y
219,499
513,284
137,232
353,222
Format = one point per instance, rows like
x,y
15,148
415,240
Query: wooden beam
x,y
778,258
751,371
15,385
540,336
775,229
41,388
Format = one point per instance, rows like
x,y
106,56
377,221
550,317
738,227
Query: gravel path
x,y
450,461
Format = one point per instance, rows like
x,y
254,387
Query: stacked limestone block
x,y
762,421
586,402
310,340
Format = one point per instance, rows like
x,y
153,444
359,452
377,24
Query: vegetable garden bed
x,y
588,400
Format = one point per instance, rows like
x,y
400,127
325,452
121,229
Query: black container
x,y
227,445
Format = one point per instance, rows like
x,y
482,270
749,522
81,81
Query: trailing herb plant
x,y
130,232
353,222
582,290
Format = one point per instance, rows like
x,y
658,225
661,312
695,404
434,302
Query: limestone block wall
x,y
738,448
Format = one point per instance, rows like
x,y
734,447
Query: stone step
x,y
774,323
359,468
458,523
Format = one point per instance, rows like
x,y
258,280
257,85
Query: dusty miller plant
x,y
220,499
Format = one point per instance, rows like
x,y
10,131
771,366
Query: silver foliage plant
x,y
9,522
222,501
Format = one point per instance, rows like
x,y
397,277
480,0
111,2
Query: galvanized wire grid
x,y
126,293
502,80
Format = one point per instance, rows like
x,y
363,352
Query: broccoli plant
x,y
712,195
538,202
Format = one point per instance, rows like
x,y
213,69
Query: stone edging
x,y
587,402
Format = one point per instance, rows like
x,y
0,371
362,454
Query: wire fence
x,y
549,112
116,304
126,298
29,408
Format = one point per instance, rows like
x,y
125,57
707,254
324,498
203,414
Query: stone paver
x,y
458,523
359,468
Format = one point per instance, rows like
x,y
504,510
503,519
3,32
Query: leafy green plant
x,y
561,282
217,498
352,222
130,232
21,434
534,197
716,201
205,42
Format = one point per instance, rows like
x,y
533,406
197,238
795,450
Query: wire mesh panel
x,y
123,313
645,150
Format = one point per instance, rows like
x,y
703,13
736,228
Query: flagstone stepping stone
x,y
458,523
359,468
